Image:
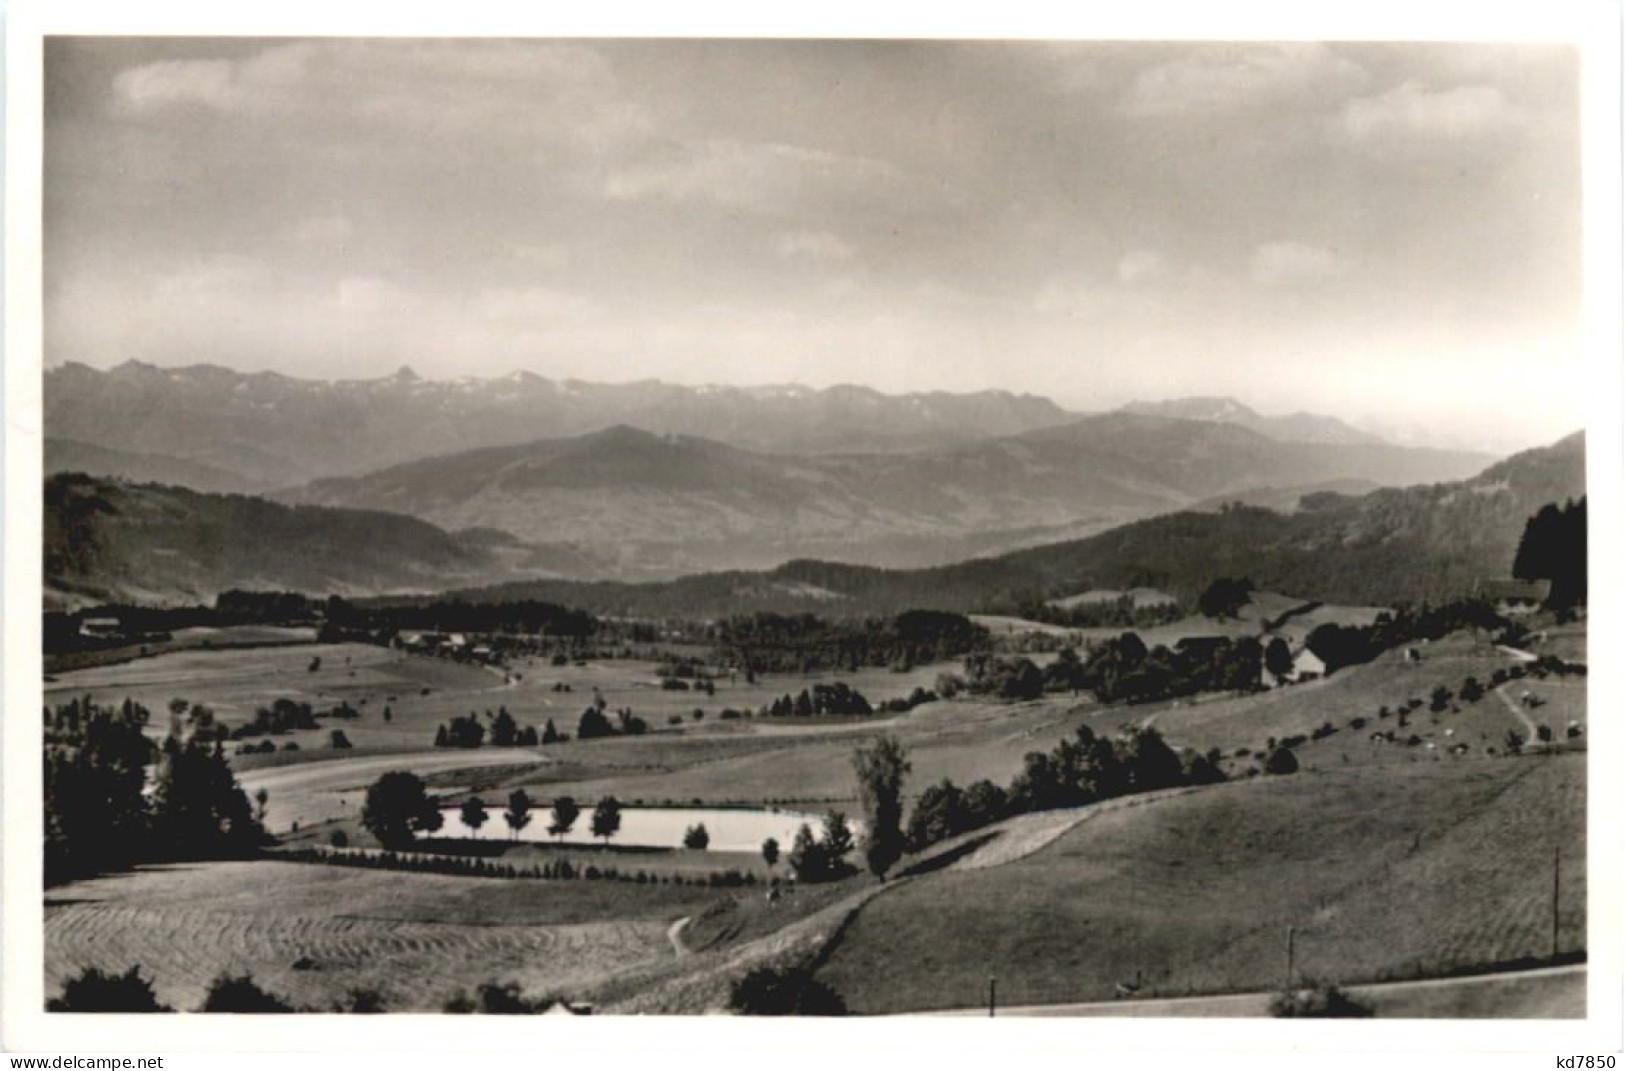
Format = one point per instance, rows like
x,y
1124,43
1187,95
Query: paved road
x,y
1552,991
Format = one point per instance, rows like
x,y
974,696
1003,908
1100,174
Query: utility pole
x,y
1557,854
1290,934
992,994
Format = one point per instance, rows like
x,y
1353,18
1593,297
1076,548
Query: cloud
x,y
1288,263
445,88
367,294
552,256
322,231
1412,112
811,245
530,303
210,83
761,176
1226,78
1141,265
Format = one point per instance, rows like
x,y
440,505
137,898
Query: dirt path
x,y
674,934
1531,731
1026,834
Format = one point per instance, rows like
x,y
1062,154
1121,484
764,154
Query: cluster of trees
x,y
282,716
1225,597
1121,669
1346,645
1083,769
470,732
596,724
678,684
98,816
881,768
803,643
836,698
553,870
783,991
239,607
1002,677
1122,612
398,809
1553,548
918,697
405,614
815,858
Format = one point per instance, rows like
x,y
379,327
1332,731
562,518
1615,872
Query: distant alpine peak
x,y
1195,408
1292,427
404,374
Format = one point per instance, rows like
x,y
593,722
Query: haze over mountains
x,y
649,480
420,486
1390,547
278,430
1290,427
665,505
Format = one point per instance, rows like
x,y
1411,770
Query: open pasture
x,y
1232,722
184,639
1384,872
961,739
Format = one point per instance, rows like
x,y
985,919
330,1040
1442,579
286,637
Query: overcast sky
x,y
1388,233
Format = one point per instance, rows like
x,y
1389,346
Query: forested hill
x,y
1392,546
107,540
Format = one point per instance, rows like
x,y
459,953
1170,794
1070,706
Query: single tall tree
x,y
474,814
770,852
563,817
881,769
518,813
606,818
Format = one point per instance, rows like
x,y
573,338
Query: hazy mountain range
x,y
269,430
114,540
1290,427
277,430
651,480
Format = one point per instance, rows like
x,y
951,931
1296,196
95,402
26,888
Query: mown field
x,y
310,933
1384,872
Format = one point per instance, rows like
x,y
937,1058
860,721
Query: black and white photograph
x,y
846,526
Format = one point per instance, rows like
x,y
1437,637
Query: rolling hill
x,y
109,541
1390,547
71,455
676,504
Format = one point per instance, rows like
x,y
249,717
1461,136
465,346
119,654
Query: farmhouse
x,y
99,626
1515,598
1306,666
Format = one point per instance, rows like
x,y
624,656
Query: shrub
x,y
1317,1002
1281,761
361,1001
783,991
339,839
94,991
240,994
